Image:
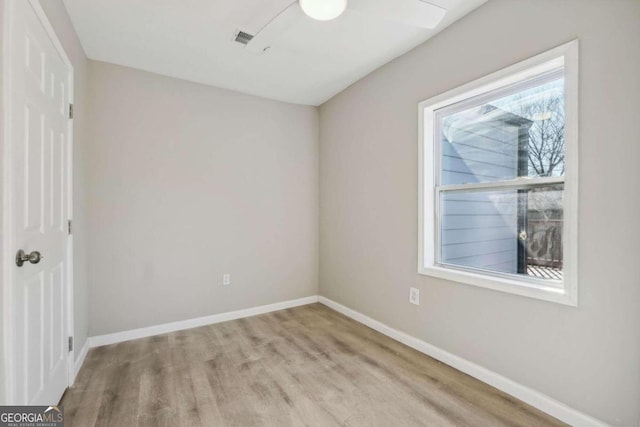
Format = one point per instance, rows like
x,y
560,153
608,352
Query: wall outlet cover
x,y
414,296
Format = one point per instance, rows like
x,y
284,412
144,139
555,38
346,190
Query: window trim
x,y
565,56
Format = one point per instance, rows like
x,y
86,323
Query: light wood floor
x,y
303,366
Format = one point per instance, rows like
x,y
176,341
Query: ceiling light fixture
x,y
542,116
323,10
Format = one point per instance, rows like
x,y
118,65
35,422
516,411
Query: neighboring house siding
x,y
479,229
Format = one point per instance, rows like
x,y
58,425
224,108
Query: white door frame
x,y
8,249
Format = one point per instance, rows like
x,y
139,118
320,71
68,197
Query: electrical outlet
x,y
226,279
414,296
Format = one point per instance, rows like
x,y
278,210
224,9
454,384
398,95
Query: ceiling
x,y
307,63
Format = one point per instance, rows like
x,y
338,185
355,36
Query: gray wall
x,y
61,23
3,368
586,357
190,182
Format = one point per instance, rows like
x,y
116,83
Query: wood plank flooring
x,y
306,366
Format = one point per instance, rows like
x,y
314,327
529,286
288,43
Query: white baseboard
x,y
77,364
133,334
534,398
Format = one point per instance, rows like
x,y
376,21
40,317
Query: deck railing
x,y
544,242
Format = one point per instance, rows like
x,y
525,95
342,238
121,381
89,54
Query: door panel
x,y
33,330
56,180
40,170
33,153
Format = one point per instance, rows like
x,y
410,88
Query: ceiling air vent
x,y
242,37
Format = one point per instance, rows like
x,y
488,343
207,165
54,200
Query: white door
x,y
39,152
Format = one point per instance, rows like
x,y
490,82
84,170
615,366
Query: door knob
x,y
22,257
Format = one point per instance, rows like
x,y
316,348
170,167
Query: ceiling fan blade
x,y
417,13
273,29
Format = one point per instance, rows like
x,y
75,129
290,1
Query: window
x,y
498,180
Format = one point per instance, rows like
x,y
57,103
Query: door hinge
x,y
71,111
70,344
69,226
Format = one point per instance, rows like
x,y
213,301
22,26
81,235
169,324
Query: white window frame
x,y
562,292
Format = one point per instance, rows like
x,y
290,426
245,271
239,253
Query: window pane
x,y
507,231
517,135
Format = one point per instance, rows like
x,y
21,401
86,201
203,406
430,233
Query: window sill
x,y
512,286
